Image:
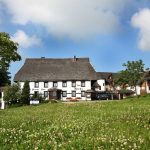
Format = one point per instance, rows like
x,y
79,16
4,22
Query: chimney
x,y
74,59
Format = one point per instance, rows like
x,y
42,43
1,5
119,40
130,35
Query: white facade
x,y
139,88
80,89
143,88
101,83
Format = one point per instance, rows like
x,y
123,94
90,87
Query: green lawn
x,y
94,125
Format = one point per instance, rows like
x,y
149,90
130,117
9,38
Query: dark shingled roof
x,y
50,69
105,75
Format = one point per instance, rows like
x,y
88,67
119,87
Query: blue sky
x,y
109,32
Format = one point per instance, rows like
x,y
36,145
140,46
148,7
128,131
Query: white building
x,y
65,79
70,79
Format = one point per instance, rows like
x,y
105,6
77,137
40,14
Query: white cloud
x,y
24,40
141,20
74,18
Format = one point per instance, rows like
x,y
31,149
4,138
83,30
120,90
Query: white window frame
x,y
82,83
73,95
82,94
55,84
64,95
45,95
73,83
36,84
64,84
45,84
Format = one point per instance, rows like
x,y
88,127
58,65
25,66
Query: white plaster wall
x,y
1,99
69,88
21,84
41,88
138,89
147,88
78,89
101,82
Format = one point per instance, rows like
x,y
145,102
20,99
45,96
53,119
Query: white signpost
x,y
2,102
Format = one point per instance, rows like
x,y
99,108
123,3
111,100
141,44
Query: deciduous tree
x,y
8,53
133,72
12,94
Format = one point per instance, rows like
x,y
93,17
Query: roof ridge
x,y
57,58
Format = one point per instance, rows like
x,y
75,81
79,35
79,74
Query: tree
x,y
12,94
8,53
121,79
134,71
25,98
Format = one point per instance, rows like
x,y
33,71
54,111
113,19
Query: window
x,y
64,93
45,93
82,93
73,93
64,84
73,84
36,84
83,83
54,84
46,84
99,87
103,84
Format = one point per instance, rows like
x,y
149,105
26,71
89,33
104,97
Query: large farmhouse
x,y
71,78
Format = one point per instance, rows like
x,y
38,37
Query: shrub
x,y
37,96
12,94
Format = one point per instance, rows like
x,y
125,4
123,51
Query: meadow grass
x,y
91,125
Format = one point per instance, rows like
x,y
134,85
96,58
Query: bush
x,y
12,94
37,96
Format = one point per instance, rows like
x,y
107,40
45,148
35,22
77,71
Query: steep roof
x,y
50,69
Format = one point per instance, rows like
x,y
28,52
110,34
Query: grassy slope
x,y
96,125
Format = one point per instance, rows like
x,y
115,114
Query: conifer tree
x,y
26,93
